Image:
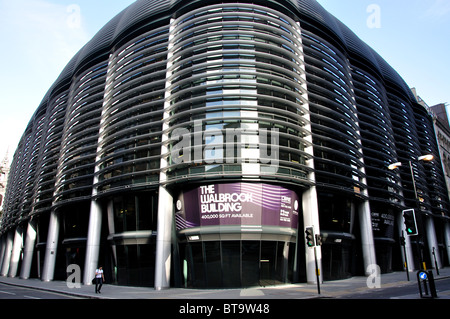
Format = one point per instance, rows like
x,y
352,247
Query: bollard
x,y
426,279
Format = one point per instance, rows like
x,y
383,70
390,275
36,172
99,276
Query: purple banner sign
x,y
237,204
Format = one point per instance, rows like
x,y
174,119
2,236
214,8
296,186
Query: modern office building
x,y
442,128
191,143
4,173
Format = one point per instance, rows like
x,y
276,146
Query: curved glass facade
x,y
175,98
235,72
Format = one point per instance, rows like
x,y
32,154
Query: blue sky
x,y
39,37
412,36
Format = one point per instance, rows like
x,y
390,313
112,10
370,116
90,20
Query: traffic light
x,y
410,222
318,240
309,237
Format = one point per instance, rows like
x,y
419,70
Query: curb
x,y
58,291
84,294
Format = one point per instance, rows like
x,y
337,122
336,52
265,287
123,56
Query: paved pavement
x,y
329,289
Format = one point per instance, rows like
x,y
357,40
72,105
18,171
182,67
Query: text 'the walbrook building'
x,y
192,143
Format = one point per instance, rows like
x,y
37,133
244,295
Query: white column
x,y
110,212
432,242
311,218
309,197
165,200
51,248
30,242
365,221
2,249
367,241
15,255
164,240
447,239
93,242
111,227
96,215
7,254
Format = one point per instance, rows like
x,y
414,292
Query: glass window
x,y
335,212
136,212
196,270
268,262
135,265
124,213
250,263
76,218
148,211
231,263
213,264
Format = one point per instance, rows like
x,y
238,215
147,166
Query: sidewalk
x,y
329,289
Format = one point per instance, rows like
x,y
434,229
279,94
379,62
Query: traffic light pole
x,y
317,270
419,222
413,225
312,241
403,243
419,225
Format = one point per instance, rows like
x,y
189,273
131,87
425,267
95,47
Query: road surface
x,y
13,292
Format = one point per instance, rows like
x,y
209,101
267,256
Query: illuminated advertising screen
x,y
237,204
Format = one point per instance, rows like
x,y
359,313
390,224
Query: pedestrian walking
x,y
99,279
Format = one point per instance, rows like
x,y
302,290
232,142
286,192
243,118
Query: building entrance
x,y
237,235
237,263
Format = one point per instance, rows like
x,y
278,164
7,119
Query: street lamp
x,y
426,158
394,166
